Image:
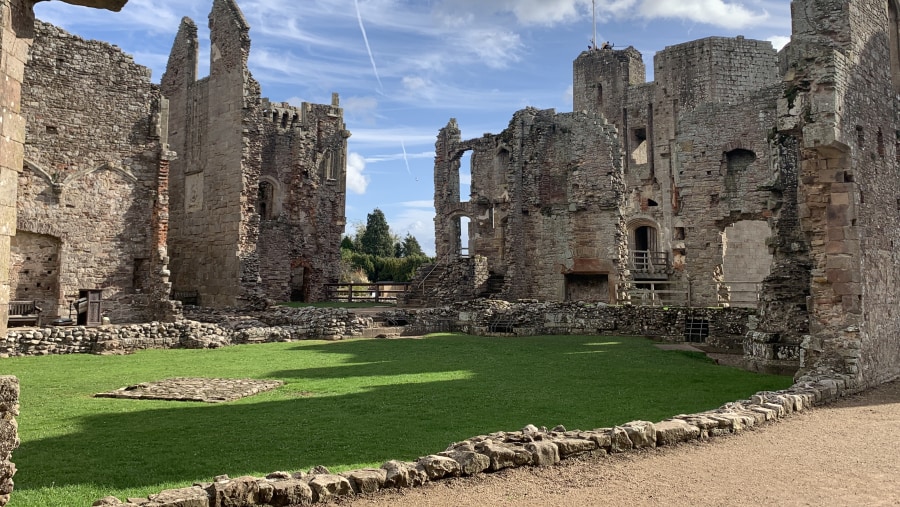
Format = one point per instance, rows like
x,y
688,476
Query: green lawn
x,y
345,405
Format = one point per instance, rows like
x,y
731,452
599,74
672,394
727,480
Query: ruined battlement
x,y
715,69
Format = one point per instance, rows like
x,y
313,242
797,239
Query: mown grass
x,y
345,405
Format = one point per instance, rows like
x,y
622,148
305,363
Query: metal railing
x,y
386,292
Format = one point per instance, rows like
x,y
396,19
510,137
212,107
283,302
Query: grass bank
x,y
345,405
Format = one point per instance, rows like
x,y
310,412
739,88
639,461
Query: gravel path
x,y
847,453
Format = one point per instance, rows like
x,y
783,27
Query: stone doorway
x,y
34,270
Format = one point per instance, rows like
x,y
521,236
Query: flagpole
x,y
594,16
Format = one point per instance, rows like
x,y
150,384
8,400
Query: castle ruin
x,y
197,189
739,176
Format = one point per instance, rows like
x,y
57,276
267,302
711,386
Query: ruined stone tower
x,y
257,193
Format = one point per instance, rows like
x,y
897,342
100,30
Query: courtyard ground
x,y
847,453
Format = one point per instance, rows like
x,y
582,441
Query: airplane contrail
x,y
362,28
405,158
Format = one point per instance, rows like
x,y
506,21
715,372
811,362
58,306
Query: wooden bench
x,y
23,313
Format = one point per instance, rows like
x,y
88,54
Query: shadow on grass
x,y
393,399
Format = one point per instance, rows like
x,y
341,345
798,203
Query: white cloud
x,y
779,41
417,219
361,109
713,12
357,182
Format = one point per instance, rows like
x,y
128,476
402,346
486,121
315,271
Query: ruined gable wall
x,y
212,235
715,194
839,101
90,178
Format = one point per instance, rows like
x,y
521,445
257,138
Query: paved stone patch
x,y
208,390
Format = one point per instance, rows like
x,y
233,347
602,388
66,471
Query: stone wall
x,y
258,191
210,330
567,207
9,440
530,446
839,106
301,198
90,183
16,34
550,183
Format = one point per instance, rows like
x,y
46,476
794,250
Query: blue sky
x,y
403,68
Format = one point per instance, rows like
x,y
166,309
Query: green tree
x,y
410,247
376,240
347,244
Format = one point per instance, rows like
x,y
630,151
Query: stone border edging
x,y
530,446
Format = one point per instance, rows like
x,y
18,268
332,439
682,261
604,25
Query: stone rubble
x,y
208,390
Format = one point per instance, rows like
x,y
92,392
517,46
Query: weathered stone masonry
x,y
740,173
91,185
16,33
258,189
9,440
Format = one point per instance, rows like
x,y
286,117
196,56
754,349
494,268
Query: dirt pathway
x,y
845,454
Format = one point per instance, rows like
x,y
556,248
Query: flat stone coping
x,y
208,390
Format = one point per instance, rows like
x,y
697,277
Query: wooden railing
x,y
646,261
676,293
382,292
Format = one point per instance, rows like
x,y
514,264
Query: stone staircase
x,y
424,286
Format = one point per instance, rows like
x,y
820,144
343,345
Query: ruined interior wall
x,y
446,192
209,238
839,102
566,182
746,260
304,162
90,178
714,193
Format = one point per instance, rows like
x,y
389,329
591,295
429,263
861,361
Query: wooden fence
x,y
382,292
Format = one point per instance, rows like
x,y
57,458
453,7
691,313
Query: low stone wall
x,y
9,439
727,327
210,330
530,446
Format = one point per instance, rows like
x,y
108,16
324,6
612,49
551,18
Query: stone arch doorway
x,y
645,255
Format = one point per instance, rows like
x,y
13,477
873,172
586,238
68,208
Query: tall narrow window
x,y
265,202
465,176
